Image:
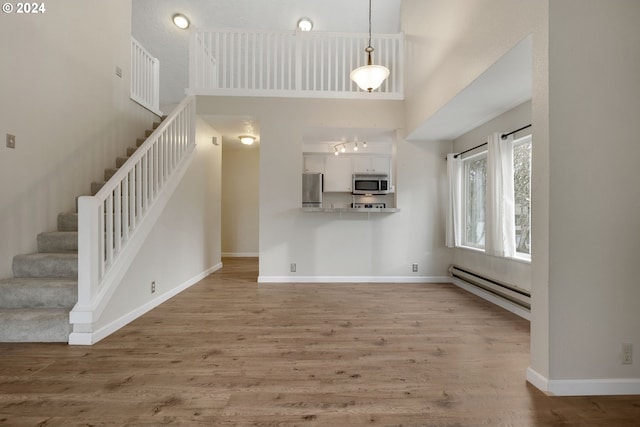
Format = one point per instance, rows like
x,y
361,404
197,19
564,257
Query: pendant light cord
x,y
369,23
369,48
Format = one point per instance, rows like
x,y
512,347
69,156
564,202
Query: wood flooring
x,y
227,352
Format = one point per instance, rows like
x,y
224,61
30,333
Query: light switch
x,y
11,141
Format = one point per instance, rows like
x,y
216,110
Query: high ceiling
x,y
152,26
501,87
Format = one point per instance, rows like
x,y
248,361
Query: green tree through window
x,y
476,184
522,193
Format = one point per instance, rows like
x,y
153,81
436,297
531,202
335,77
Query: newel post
x,y
88,249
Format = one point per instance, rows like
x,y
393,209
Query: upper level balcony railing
x,y
290,64
145,78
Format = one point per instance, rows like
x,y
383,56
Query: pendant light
x,y
369,77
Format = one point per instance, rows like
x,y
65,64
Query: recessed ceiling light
x,y
181,21
305,24
246,139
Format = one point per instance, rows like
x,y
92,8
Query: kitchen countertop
x,y
347,210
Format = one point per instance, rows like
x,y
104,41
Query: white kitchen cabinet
x,y
381,164
314,163
337,173
371,164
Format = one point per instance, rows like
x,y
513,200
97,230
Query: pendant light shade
x,y
369,77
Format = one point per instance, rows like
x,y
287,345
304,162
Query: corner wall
x,y
594,199
70,113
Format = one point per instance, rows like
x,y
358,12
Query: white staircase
x,y
35,303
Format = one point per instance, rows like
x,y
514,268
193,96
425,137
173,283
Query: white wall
x,y
184,244
451,43
240,199
594,101
70,113
517,273
325,245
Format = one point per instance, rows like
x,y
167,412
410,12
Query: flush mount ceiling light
x,y
180,21
247,139
305,24
369,77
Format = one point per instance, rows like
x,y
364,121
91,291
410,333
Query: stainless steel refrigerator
x,y
312,190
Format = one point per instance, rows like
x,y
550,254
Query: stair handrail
x,y
122,207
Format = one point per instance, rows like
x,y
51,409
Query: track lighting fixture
x,y
342,147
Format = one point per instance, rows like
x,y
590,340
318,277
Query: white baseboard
x,y
89,338
240,254
494,299
538,381
353,279
584,387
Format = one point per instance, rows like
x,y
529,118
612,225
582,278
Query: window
x,y
475,181
522,194
475,185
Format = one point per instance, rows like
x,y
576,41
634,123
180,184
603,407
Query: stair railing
x,y
113,224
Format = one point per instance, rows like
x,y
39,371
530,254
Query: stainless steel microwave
x,y
365,183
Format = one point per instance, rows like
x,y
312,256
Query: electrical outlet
x,y
627,353
11,141
414,267
153,287
293,267
118,71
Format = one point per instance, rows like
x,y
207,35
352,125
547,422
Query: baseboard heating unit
x,y
510,297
